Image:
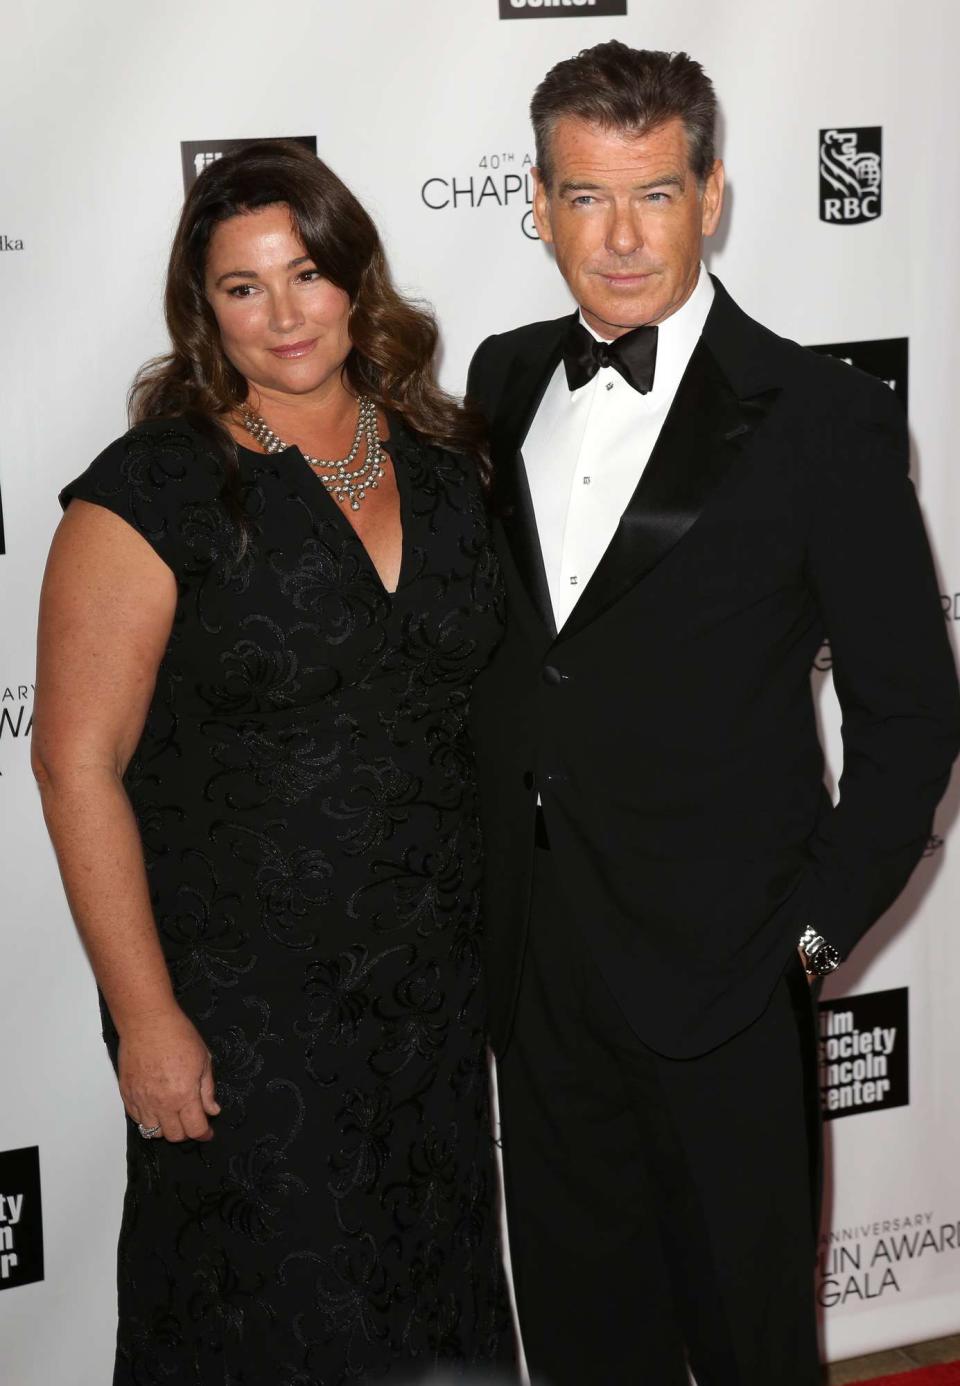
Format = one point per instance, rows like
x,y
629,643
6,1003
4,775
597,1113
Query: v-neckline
x,y
313,483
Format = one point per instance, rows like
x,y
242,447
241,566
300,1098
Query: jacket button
x,y
552,676
528,779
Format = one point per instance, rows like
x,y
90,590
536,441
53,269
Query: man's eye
x,y
658,197
583,200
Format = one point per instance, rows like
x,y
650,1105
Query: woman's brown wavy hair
x,y
393,341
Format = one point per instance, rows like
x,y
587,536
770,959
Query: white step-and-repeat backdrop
x,y
840,130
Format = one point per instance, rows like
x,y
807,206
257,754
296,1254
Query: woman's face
x,y
282,325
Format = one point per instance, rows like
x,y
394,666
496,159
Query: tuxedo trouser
x,y
659,1210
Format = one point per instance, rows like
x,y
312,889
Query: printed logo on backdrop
x,y
878,1256
887,358
498,182
560,9
851,175
950,601
864,1053
196,154
7,243
21,1218
16,718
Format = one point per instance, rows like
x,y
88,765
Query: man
x,y
689,505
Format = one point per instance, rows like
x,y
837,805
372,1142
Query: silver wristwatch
x,y
819,956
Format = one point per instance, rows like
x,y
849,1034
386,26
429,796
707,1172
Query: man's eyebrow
x,y
252,274
578,185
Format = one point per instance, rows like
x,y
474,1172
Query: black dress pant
x,y
660,1211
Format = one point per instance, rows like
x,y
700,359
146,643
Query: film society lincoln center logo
x,y
196,154
21,1220
851,175
864,1053
560,9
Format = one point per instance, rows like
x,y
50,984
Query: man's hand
x,y
166,1076
812,978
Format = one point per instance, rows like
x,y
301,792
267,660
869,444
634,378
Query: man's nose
x,y
625,233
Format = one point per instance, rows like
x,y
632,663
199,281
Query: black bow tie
x,y
634,355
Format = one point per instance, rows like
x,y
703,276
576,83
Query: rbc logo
x,y
851,173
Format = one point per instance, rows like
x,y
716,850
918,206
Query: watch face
x,y
826,959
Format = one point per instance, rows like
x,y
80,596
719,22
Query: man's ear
x,y
711,199
541,207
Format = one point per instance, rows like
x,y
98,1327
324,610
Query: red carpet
x,y
946,1375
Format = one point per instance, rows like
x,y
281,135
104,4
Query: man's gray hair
x,y
628,89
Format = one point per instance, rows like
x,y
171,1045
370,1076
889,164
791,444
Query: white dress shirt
x,y
585,451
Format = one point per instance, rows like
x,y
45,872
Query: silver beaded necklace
x,y
342,483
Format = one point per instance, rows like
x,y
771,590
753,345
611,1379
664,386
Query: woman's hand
x,y
166,1076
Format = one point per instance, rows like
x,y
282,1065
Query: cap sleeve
x,y
151,478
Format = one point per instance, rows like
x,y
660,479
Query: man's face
x,y
626,218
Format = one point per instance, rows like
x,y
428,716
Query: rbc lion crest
x,y
851,175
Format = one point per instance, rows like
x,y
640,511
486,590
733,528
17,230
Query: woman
x,y
253,674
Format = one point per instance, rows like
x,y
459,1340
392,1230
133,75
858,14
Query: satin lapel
x,y
511,499
702,437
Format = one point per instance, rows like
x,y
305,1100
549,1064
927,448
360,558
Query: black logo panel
x,y
864,1053
887,358
21,1218
560,9
196,154
851,175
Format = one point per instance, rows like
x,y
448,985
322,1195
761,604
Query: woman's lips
x,y
294,349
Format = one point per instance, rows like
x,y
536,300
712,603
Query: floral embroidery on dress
x,y
304,789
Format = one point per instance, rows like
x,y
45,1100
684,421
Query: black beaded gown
x,y
305,794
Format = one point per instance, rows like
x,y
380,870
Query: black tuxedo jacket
x,y
669,727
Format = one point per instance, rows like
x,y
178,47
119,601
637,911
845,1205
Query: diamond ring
x,y
148,1132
